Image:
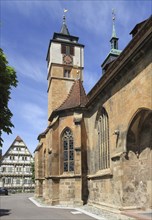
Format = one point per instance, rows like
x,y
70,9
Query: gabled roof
x,y
76,97
18,139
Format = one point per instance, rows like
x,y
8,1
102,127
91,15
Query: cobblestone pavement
x,y
97,213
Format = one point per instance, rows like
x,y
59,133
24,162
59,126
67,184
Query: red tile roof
x,y
76,97
18,139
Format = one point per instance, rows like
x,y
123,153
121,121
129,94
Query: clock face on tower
x,y
67,59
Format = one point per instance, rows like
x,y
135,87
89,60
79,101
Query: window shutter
x,y
72,51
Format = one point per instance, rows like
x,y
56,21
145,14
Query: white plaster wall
x,y
56,56
78,58
55,53
17,143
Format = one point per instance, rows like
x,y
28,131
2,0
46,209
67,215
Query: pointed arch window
x,y
68,150
103,140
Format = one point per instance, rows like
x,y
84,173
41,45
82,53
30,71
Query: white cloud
x,y
34,115
97,16
35,7
29,68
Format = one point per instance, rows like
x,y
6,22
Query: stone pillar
x,y
77,159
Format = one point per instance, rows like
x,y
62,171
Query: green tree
x,y
8,79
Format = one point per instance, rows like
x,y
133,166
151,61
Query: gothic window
x,y
68,150
103,140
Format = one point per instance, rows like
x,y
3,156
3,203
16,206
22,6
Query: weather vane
x,y
113,15
65,11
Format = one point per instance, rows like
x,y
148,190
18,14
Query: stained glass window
x,y
103,140
68,150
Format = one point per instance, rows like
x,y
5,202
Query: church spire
x,y
114,39
114,52
64,29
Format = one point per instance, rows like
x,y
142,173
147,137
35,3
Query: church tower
x,y
65,60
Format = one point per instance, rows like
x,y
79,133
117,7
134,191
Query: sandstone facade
x,y
97,148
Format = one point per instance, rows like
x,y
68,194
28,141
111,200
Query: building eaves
x,y
38,147
41,135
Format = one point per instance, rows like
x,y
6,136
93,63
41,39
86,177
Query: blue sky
x,y
26,28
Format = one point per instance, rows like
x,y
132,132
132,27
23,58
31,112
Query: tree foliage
x,y
8,79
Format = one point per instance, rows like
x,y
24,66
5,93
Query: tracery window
x,y
68,150
103,140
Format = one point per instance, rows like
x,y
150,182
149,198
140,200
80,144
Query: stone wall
x,y
59,187
137,179
57,83
122,99
69,191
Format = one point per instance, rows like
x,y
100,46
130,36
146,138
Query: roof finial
x,y
64,17
64,29
113,25
113,14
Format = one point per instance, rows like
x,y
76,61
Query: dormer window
x,y
67,49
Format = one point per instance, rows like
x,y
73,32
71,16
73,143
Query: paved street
x,y
19,207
